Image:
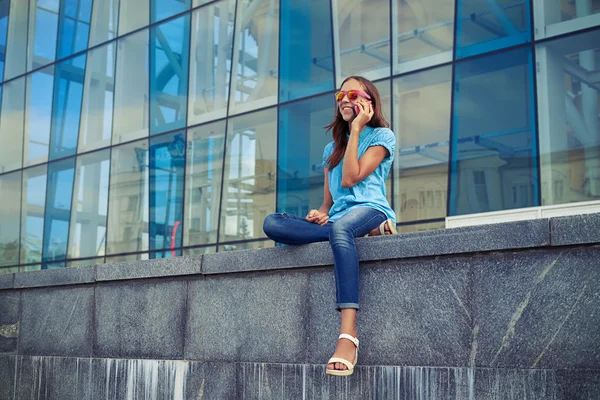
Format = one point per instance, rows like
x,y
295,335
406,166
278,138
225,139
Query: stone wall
x,y
478,312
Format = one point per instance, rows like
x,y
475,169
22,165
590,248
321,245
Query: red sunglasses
x,y
352,95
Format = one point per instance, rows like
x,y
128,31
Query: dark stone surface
x,y
56,321
9,320
211,380
161,267
576,229
140,319
248,317
6,281
7,376
577,384
538,309
54,277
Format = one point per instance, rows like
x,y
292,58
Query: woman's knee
x,y
270,222
340,229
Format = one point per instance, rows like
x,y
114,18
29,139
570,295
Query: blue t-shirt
x,y
370,192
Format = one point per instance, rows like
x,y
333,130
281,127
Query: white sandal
x,y
348,364
391,226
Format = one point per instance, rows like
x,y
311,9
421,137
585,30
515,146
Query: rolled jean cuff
x,y
340,306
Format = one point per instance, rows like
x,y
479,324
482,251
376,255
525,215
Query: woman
x,y
356,165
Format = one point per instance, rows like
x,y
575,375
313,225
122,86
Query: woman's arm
x,y
321,216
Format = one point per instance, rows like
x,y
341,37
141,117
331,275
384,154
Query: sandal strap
x,y
347,363
350,338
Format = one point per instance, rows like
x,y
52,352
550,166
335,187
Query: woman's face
x,y
345,105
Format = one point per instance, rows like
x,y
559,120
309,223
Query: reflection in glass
x,y
38,116
167,162
11,124
3,34
254,80
133,14
128,201
203,183
58,209
98,92
302,140
568,103
43,29
494,157
361,38
10,213
169,56
66,110
87,237
422,28
131,88
196,251
16,43
422,126
33,202
210,61
165,254
551,15
484,26
306,59
250,173
73,27
104,21
162,9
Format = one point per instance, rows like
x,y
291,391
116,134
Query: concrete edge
x,y
156,268
55,277
576,229
7,281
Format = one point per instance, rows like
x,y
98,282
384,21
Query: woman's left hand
x,y
364,116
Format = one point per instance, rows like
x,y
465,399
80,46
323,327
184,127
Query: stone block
x,y
211,380
56,321
575,229
537,309
7,376
242,317
54,277
9,320
143,319
160,267
6,281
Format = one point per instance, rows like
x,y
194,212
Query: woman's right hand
x,y
317,217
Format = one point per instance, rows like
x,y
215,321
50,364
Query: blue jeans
x,y
290,229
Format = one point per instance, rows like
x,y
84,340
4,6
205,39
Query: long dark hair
x,y
339,127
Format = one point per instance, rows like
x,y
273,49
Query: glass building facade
x,y
136,129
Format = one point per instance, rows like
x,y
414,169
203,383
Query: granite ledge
x,y
55,277
576,229
160,267
7,281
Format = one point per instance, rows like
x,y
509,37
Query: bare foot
x,y
345,349
375,232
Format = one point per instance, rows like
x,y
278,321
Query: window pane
x,y
33,202
87,237
3,34
131,88
68,91
169,74
306,43
167,161
485,26
104,21
74,26
422,126
43,27
556,17
568,99
16,50
128,201
302,140
98,92
38,116
249,185
58,209
133,14
362,40
10,213
11,125
203,183
494,142
165,254
162,9
255,55
419,227
424,32
210,63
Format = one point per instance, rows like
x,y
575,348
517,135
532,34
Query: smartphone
x,y
356,110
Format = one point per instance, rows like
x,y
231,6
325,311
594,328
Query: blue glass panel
x,y
66,111
44,20
165,254
167,160
484,25
58,209
301,142
306,60
73,26
33,202
494,154
169,55
3,34
162,9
